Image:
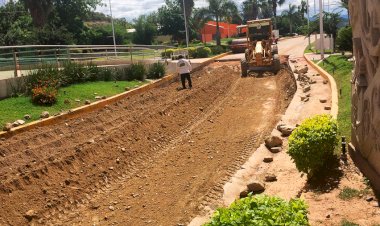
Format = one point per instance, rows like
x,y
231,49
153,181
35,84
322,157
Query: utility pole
x,y
184,14
308,22
321,38
113,30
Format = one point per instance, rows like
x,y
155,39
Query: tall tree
x,y
218,9
290,14
170,20
189,5
276,3
253,9
145,30
39,10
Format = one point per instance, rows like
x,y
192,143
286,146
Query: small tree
x,y
344,39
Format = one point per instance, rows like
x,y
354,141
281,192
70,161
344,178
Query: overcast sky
x,y
131,9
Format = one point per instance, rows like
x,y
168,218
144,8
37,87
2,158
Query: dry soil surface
x,y
157,158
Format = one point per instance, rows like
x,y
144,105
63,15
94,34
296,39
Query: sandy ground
x,y
155,158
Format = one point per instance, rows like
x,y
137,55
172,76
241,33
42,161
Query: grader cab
x,y
262,52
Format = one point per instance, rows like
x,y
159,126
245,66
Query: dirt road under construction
x,y
151,159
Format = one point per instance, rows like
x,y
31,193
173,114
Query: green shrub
x,y
93,72
37,77
167,53
135,72
192,52
217,50
203,52
262,210
106,74
73,73
156,71
344,39
45,92
312,144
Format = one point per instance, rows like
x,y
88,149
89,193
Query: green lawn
x,y
12,109
341,70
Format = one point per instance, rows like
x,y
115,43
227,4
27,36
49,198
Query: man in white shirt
x,y
184,69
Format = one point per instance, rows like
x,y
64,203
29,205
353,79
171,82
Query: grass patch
x,y
348,223
350,193
341,70
15,108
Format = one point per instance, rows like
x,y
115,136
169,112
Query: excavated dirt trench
x,y
156,158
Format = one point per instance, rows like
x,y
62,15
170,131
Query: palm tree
x,y
290,14
218,9
276,3
253,9
189,5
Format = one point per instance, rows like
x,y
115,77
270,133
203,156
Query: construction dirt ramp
x,y
151,159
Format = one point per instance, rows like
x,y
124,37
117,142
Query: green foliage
x,y
40,76
146,29
341,69
349,193
217,50
135,72
203,52
156,71
262,210
344,39
73,73
192,52
167,53
345,222
312,144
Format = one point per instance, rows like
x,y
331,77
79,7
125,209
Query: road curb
x,y
334,90
102,103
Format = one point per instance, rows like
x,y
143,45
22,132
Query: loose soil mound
x,y
157,158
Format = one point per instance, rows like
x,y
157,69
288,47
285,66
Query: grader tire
x,y
244,68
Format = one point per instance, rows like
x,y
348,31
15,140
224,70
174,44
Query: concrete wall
x,y
365,20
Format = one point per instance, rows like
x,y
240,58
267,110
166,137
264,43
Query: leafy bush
x,y
262,210
217,50
167,53
312,144
106,74
203,52
156,70
135,72
344,39
40,76
192,52
45,93
73,73
93,72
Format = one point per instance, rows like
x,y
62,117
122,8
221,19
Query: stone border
x,y
100,104
334,90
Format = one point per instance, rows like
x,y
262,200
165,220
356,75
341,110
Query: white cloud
x,y
131,9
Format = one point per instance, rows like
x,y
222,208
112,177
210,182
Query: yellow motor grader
x,y
262,52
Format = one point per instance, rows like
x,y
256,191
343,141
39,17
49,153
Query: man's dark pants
x,y
183,80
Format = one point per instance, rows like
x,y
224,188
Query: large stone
x,y
30,215
255,186
270,178
268,159
303,69
273,141
275,150
306,89
45,114
285,130
27,117
7,127
18,123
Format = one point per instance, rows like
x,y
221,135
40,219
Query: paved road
x,y
293,47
